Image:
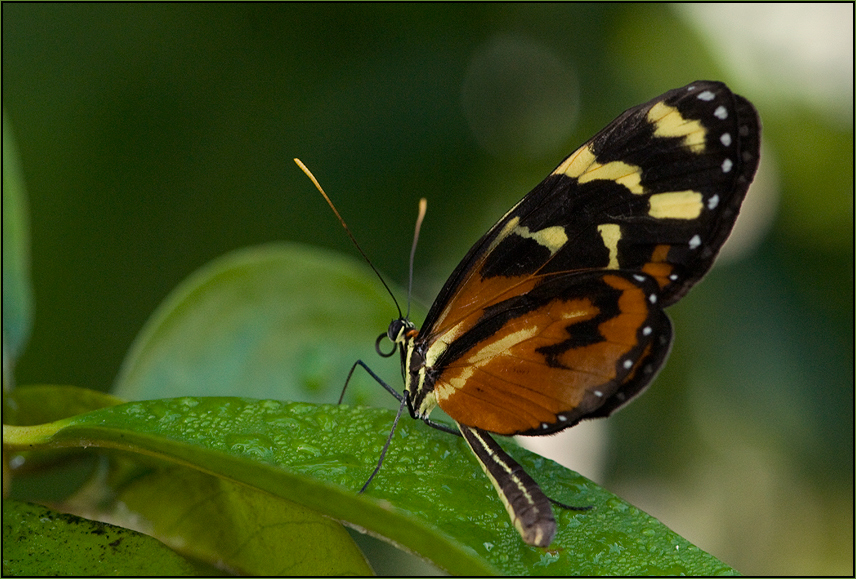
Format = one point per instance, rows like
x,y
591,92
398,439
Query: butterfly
x,y
557,313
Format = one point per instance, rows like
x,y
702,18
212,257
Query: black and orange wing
x,y
556,314
543,360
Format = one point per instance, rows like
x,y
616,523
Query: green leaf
x,y
38,541
430,496
275,321
17,290
228,525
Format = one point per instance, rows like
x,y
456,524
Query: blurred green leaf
x,y
232,525
38,541
17,290
50,476
36,404
430,497
274,321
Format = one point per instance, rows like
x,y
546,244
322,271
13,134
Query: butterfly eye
x,y
395,327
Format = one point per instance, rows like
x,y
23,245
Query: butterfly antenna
x,y
312,178
423,206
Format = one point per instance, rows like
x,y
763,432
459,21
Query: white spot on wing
x,y
695,241
721,113
713,202
727,165
725,139
706,96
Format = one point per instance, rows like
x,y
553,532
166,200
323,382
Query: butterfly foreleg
x,y
398,396
378,379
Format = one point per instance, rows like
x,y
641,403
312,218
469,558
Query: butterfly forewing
x,y
656,191
662,185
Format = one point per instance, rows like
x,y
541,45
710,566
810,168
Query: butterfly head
x,y
399,330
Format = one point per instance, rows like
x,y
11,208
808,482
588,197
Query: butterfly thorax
x,y
418,378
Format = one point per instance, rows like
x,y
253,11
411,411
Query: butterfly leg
x,y
398,396
402,398
388,441
569,507
378,379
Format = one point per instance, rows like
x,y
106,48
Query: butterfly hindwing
x,y
540,361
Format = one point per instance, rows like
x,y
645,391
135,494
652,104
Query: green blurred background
x,y
154,138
